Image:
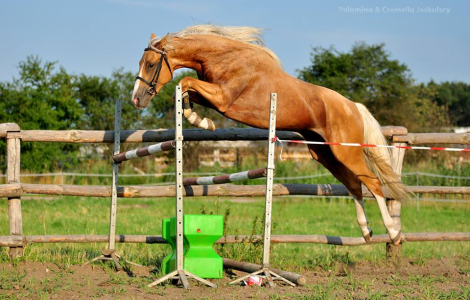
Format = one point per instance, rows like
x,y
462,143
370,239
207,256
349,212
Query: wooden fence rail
x,y
13,190
159,135
15,241
220,190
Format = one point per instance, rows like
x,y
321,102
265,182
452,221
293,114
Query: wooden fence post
x,y
13,176
394,206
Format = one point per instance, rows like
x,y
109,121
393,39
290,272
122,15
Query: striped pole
x,y
226,178
378,146
145,151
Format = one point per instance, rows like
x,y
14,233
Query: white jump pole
x,y
109,253
266,272
113,210
180,273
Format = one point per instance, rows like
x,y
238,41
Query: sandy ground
x,y
447,278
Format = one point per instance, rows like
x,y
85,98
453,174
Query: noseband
x,y
153,83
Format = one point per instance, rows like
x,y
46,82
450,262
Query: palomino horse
x,y
236,76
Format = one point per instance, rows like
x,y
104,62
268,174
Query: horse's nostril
x,y
136,101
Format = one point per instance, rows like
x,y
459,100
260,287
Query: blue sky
x,y
97,37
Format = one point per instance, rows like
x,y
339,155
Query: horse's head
x,y
154,72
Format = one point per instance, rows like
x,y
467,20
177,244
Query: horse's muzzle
x,y
136,102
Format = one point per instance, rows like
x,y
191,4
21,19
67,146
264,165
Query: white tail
x,y
378,158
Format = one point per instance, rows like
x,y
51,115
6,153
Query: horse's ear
x,y
161,44
152,36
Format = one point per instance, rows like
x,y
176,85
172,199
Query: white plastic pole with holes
x,y
116,150
266,271
179,182
180,273
269,181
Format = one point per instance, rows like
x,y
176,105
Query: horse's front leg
x,y
192,116
200,91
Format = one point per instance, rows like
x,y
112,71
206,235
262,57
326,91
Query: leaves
x,y
41,99
368,75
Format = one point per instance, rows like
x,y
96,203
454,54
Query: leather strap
x,y
153,83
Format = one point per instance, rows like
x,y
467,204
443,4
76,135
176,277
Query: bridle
x,y
152,83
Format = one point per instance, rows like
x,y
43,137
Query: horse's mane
x,y
245,34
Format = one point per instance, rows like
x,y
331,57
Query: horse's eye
x,y
150,66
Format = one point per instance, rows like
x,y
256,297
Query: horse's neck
x,y
186,55
193,52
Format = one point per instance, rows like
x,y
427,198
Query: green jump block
x,y
200,233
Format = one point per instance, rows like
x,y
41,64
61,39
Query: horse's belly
x,y
289,117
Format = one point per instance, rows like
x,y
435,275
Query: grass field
x,y
331,271
323,265
291,215
294,215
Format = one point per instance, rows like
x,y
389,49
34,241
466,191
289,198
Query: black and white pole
x,y
180,273
266,272
226,178
144,151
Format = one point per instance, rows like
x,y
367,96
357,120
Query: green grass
x,y
291,215
441,163
74,215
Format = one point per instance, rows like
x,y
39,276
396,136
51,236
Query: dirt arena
x,y
447,278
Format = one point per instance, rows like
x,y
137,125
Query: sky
x,y
96,37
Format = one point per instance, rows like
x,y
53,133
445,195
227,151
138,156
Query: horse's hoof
x,y
397,239
207,124
368,236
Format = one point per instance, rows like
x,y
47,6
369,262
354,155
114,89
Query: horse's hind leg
x,y
352,158
323,155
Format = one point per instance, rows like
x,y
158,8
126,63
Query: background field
x,y
291,215
428,270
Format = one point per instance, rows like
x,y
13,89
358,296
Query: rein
x,y
153,83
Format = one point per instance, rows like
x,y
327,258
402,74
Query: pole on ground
x,y
250,268
266,270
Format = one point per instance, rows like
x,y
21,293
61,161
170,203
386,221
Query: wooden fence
x,y
14,189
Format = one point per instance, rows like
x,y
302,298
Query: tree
x,y
455,98
41,98
97,96
368,75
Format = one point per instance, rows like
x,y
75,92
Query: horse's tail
x,y
378,159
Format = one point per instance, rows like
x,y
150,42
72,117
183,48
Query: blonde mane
x,y
245,34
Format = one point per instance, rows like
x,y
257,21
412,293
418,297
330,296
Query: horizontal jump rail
x,y
226,178
14,241
161,135
144,151
138,191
